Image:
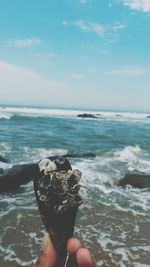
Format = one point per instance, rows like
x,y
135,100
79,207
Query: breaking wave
x,y
15,112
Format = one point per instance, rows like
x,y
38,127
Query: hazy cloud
x,y
118,27
141,5
109,31
44,56
77,76
91,27
21,43
87,27
130,72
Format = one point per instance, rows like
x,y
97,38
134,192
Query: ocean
x,y
113,222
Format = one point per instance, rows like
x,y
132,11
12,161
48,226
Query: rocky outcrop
x,y
86,115
80,155
3,159
137,180
12,178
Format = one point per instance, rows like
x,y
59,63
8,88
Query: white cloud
x,y
88,27
77,76
91,27
108,31
130,72
21,43
118,27
141,5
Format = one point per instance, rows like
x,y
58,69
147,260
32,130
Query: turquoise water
x,y
114,222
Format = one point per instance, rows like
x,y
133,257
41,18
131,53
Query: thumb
x,y
47,257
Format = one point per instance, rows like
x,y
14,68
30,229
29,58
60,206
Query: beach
x,y
113,222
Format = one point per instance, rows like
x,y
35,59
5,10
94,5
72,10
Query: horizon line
x,y
105,109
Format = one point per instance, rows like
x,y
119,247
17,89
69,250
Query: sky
x,y
75,53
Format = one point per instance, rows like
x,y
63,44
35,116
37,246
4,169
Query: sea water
x,y
113,222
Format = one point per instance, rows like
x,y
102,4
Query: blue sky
x,y
75,53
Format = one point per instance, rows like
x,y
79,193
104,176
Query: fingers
x,y
47,257
83,256
73,245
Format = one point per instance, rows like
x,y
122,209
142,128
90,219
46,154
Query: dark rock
x,y
137,180
86,115
3,159
148,116
80,155
12,178
1,170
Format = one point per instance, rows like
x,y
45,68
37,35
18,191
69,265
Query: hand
x,y
47,257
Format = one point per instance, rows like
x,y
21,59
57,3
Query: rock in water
x,y
57,193
137,180
86,115
3,159
12,178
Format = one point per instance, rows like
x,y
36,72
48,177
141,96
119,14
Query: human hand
x,y
47,258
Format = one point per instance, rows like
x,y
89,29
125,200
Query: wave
x,y
27,154
5,151
35,112
35,154
102,174
5,116
112,165
136,158
11,112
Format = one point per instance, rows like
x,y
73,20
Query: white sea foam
x,y
10,255
35,154
5,115
135,158
8,112
29,154
35,112
129,153
5,165
5,148
111,167
102,175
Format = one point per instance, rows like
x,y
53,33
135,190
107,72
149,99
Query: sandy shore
x,y
8,264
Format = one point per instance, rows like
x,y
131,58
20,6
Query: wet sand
x,y
8,264
5,264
